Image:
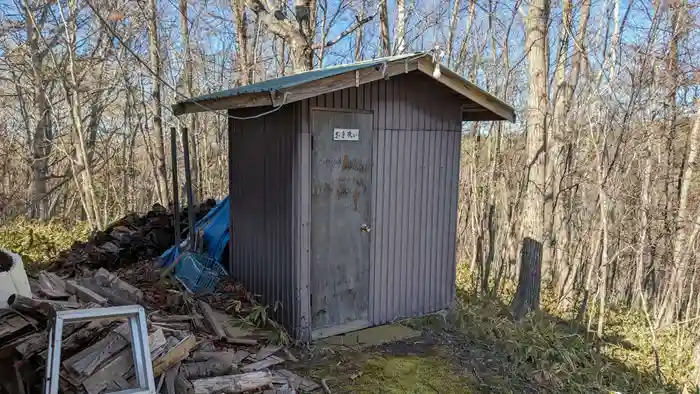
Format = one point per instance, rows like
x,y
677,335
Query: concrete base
x,y
371,336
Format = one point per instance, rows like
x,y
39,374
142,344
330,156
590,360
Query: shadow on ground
x,y
480,349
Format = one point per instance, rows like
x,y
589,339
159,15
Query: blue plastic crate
x,y
198,273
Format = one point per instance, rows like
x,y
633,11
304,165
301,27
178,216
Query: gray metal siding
x,y
414,192
262,159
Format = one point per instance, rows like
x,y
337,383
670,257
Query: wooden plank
x,y
86,361
51,285
207,369
170,378
211,320
301,92
232,383
183,385
175,318
285,389
241,101
228,357
296,381
174,355
265,352
501,110
119,366
79,338
266,363
84,293
346,80
107,279
14,325
114,297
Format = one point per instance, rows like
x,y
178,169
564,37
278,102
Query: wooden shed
x,y
343,189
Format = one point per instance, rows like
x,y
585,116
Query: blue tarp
x,y
213,229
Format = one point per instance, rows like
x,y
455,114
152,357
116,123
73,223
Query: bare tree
x,y
533,211
154,52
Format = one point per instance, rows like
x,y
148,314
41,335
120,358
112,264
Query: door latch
x,y
365,228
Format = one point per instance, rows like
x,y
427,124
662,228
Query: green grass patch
x,y
37,242
407,374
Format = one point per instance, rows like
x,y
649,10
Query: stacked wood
x,y
128,240
194,346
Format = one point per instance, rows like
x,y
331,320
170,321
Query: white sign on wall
x,y
346,134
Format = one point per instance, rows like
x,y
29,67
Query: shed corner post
x,y
229,159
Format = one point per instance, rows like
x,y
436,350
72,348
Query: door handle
x,y
365,228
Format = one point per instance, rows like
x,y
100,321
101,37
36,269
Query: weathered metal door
x,y
340,219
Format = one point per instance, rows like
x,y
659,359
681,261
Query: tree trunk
x,y
188,88
41,141
400,27
384,29
527,295
153,49
638,291
533,209
245,69
454,17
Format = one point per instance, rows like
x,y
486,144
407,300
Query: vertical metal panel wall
x,y
261,161
415,177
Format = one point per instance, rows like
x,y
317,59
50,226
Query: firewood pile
x,y
199,343
130,239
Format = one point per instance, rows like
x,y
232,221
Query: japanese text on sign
x,y
346,134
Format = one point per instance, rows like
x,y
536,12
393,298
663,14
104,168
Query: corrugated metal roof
x,y
300,78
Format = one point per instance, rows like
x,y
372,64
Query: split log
x,y
14,325
84,293
175,318
107,279
291,357
38,308
51,285
241,341
240,356
232,383
207,369
168,382
226,357
266,363
39,341
183,385
174,355
86,361
119,366
212,322
281,390
114,297
302,384
265,352
79,338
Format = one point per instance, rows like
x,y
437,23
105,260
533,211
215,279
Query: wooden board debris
x,y
265,352
208,368
84,293
174,355
266,363
119,366
232,383
86,361
212,322
298,382
107,279
51,285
